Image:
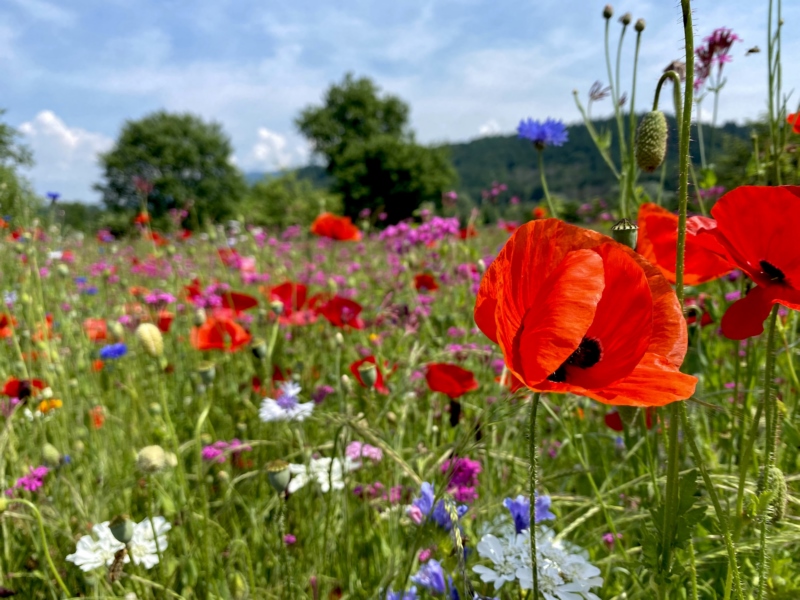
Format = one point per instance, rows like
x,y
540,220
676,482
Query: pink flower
x,y
415,514
289,539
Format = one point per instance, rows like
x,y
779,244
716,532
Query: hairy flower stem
x,y
45,546
771,417
547,197
534,457
673,461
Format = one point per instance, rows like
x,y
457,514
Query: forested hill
x,y
575,171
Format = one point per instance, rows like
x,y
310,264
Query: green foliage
x,y
79,216
370,152
186,159
16,197
739,165
388,174
287,200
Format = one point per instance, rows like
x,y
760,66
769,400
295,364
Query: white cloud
x,y
273,151
66,157
41,10
491,127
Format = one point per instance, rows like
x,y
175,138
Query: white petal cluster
x,y
94,551
564,572
328,473
286,407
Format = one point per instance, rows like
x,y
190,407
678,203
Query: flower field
x,y
426,409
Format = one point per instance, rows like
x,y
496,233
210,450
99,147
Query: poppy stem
x,y
534,457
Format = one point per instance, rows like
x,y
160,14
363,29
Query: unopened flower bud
x,y
151,339
481,266
651,141
608,11
62,270
50,455
276,306
626,19
338,338
278,475
3,504
224,477
152,459
775,485
239,587
199,317
347,384
259,348
207,371
122,529
626,232
640,25
369,374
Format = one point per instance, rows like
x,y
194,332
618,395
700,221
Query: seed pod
x,y
651,141
626,232
369,374
278,474
50,455
122,529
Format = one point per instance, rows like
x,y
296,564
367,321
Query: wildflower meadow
x,y
432,406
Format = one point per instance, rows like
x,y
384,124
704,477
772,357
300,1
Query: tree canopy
x,y
370,152
183,159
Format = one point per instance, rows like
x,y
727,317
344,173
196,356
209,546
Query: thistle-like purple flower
x,y
543,134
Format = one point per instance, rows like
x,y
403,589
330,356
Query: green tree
x,y
16,197
185,159
287,200
388,174
370,152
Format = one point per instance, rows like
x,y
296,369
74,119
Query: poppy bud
x,y
151,339
207,371
608,11
199,317
626,19
775,485
62,270
369,374
481,266
276,306
259,348
347,384
152,459
651,141
338,338
625,232
50,455
278,475
639,26
224,477
122,529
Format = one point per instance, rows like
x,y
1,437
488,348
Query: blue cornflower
x,y
431,577
409,595
81,280
442,517
113,351
543,134
53,196
422,506
520,509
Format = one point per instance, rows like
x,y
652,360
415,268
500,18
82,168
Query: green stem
x,y
534,458
45,546
547,197
722,516
771,416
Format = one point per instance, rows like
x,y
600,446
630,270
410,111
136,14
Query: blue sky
x,y
74,71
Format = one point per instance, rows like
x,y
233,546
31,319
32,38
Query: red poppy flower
x,y
705,258
96,329
229,257
184,235
757,226
540,212
614,420
298,308
22,388
794,120
237,301
7,323
342,312
574,311
97,415
157,238
425,282
142,218
695,307
44,331
450,379
97,365
467,232
380,383
164,321
336,228
215,333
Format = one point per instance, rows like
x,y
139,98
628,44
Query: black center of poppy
x,y
771,271
24,390
586,355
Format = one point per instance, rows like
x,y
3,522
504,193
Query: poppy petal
x,y
558,318
745,317
623,321
450,379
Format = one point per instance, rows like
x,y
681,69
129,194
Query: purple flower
x,y
409,595
422,506
33,480
441,516
543,134
431,577
321,393
289,539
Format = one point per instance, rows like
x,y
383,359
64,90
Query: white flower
x,y
328,473
286,407
564,573
143,548
94,551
